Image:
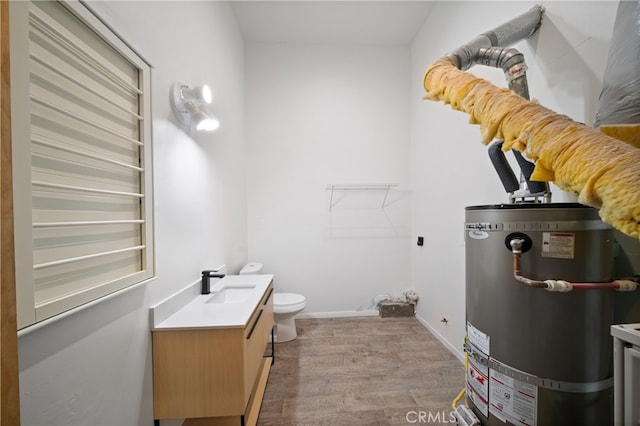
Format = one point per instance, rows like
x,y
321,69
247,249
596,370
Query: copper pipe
x,y
627,284
526,281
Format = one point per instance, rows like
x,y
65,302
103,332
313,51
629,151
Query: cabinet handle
x,y
254,324
269,296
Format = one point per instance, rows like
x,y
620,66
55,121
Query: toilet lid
x,y
286,299
251,268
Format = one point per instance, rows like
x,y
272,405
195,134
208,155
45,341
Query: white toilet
x,y
285,307
251,268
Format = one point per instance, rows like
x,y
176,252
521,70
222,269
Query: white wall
x,y
450,167
94,367
319,115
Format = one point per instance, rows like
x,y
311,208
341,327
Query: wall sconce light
x,y
188,105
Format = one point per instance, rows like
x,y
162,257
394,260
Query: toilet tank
x,y
251,268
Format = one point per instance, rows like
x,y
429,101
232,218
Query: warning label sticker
x,y
478,385
478,339
512,400
558,244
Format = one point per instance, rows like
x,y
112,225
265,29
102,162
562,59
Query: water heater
x,y
537,357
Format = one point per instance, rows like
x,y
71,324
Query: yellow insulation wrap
x,y
604,172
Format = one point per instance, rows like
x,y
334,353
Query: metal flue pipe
x,y
491,49
510,32
512,63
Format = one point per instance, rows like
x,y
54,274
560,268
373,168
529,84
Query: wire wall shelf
x,y
386,187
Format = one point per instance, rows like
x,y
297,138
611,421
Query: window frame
x,y
27,311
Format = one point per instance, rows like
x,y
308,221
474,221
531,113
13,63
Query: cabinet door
x,y
197,373
256,339
267,324
253,348
632,386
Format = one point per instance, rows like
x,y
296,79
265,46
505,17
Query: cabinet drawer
x,y
256,338
266,304
268,316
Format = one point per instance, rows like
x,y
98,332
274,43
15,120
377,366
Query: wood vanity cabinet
x,y
213,376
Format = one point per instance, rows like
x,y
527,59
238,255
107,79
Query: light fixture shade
x,y
200,93
187,105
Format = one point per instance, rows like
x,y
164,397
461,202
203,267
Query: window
x,y
81,159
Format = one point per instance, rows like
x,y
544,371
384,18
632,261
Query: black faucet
x,y
206,287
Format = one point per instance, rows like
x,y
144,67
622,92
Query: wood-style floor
x,y
361,371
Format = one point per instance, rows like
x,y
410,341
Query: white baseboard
x,y
339,314
456,352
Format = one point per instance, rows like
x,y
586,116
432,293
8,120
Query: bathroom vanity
x,y
209,363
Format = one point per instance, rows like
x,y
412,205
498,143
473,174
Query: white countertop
x,y
629,333
198,314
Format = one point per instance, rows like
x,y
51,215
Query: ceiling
x,y
325,22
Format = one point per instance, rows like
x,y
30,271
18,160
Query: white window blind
x,y
89,153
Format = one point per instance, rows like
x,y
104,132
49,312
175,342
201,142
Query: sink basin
x,y
234,294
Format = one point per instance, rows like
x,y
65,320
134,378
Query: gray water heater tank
x,y
537,357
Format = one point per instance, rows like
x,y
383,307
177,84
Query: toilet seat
x,y
288,302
